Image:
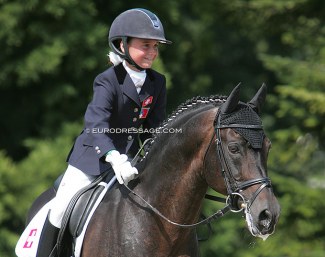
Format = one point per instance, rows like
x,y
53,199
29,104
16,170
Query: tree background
x,y
52,50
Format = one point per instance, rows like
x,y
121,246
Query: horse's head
x,y
242,151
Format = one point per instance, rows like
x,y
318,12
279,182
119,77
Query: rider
x,y
126,97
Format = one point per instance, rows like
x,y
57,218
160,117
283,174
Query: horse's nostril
x,y
265,218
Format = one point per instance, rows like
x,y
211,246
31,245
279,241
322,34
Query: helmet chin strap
x,y
128,57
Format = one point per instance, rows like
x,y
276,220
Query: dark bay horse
x,y
215,142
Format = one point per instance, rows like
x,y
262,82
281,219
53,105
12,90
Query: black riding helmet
x,y
138,23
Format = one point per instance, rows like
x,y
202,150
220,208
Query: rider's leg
x,y
72,181
47,240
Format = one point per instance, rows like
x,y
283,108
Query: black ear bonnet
x,y
244,117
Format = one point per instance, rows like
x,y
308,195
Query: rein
x,y
207,220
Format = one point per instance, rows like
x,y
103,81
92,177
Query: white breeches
x,y
72,181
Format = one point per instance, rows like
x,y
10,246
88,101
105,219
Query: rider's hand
x,y
122,167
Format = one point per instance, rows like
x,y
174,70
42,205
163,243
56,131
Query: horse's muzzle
x,y
263,224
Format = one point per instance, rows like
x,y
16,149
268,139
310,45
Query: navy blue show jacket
x,y
114,116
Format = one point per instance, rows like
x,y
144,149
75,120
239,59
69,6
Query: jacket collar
x,y
128,87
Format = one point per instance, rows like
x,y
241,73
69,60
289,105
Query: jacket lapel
x,y
129,89
126,83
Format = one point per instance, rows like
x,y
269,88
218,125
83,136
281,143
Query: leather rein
x,y
233,188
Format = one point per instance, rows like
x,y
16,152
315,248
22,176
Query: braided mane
x,y
192,104
188,105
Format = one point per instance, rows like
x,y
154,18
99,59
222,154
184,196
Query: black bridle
x,y
234,188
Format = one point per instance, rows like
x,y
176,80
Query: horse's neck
x,y
174,173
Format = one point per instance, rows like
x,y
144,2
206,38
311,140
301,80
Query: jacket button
x,y
96,148
135,119
98,152
136,109
130,138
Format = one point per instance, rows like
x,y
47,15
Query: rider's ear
x,y
259,99
232,101
122,46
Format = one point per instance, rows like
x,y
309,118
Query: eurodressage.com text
x,y
133,130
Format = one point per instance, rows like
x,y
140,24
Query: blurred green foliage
x,y
52,50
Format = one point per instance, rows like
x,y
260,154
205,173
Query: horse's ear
x,y
232,101
259,99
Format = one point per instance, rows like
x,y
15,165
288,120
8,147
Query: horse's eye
x,y
233,148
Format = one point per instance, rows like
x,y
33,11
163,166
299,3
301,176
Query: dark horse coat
x,y
114,116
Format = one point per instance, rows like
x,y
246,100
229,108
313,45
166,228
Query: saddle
x,y
81,206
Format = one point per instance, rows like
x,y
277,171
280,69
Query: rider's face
x,y
143,51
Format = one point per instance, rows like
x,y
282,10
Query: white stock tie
x,y
138,77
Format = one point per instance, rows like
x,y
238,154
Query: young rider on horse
x,y
126,97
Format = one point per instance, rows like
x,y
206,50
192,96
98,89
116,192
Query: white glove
x,y
122,167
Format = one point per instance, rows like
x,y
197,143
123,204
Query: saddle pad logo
x,y
143,113
147,101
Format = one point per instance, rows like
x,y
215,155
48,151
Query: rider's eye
x,y
233,148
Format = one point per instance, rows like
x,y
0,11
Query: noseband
x,y
234,188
